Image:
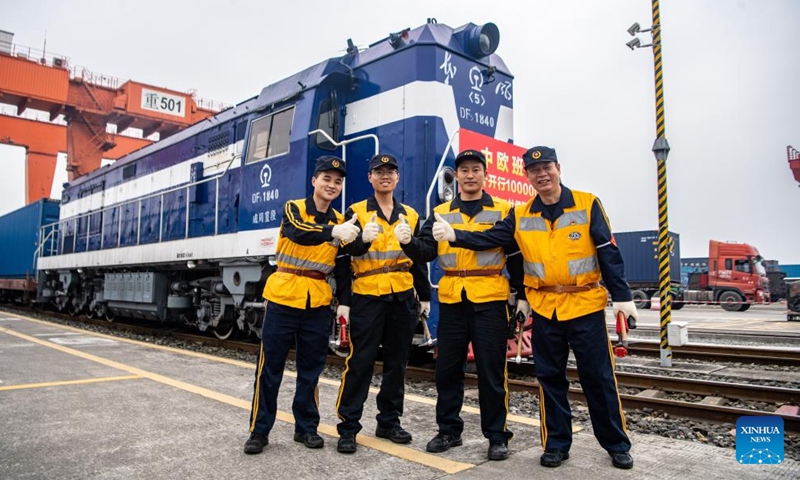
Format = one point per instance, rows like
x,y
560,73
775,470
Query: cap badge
x,y
384,159
536,154
335,163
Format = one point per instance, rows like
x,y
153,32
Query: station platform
x,y
75,404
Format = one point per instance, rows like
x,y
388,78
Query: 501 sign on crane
x,y
160,102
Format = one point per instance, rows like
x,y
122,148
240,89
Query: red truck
x,y
736,278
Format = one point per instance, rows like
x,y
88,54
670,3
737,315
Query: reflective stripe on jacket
x,y
294,290
479,289
560,253
385,251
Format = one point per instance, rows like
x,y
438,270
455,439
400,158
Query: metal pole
x,y
661,148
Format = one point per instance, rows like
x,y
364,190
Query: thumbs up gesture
x,y
442,231
346,232
371,230
403,231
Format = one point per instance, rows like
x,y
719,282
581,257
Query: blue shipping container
x,y
19,237
792,271
640,254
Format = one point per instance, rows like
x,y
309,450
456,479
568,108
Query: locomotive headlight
x,y
482,40
447,184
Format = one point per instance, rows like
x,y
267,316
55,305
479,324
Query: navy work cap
x,y
329,162
470,155
539,154
382,159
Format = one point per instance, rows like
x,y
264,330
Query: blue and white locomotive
x,y
185,229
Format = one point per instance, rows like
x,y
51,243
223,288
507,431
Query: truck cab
x,y
736,275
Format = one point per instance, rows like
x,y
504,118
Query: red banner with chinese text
x,y
505,170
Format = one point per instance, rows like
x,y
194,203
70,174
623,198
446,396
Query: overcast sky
x,y
731,83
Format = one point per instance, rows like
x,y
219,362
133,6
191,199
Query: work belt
x,y
315,274
377,271
472,273
568,288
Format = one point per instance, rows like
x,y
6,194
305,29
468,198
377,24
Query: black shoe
x,y
309,439
621,460
255,444
347,443
442,442
395,434
498,451
553,458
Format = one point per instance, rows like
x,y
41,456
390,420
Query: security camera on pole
x,y
661,150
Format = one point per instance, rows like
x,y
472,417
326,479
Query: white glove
x,y
346,232
371,230
424,308
343,311
403,231
627,308
442,231
524,307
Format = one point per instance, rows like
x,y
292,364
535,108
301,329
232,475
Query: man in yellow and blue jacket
x,y
567,247
298,309
383,310
473,308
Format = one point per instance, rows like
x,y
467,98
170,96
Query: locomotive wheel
x,y
253,320
109,315
224,329
257,332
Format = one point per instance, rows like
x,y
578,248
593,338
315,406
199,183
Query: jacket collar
x,y
322,218
458,204
372,206
565,201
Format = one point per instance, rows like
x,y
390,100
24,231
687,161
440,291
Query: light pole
x,y
661,151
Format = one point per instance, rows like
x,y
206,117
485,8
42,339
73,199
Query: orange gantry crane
x,y
29,79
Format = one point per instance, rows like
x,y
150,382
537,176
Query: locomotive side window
x,y
129,171
327,122
269,135
279,136
259,138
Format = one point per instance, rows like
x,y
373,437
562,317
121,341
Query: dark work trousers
x,y
486,326
373,322
308,328
588,338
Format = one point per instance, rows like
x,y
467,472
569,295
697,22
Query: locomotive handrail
x,y
44,239
436,173
344,153
139,200
216,192
430,192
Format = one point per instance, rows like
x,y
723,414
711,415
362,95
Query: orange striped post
x,y
661,151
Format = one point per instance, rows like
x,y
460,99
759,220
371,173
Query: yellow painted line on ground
x,y
426,459
288,373
68,382
164,348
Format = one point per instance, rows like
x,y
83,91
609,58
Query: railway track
x,y
695,410
722,353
